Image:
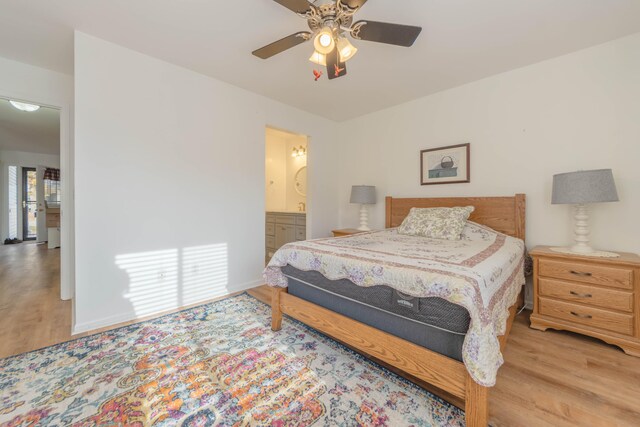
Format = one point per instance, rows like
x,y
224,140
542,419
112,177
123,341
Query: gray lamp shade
x,y
595,186
363,194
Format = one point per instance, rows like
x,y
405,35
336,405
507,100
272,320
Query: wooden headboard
x,y
503,214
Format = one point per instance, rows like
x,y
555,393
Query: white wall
x,y
170,169
579,111
22,159
25,82
29,83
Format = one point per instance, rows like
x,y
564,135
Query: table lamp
x,y
364,195
580,189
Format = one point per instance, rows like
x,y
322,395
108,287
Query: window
x,y
51,191
52,185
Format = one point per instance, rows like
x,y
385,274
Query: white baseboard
x,y
103,323
131,316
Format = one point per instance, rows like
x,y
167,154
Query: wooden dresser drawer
x,y
301,233
586,294
616,277
590,316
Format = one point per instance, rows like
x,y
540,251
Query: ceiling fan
x,y
330,23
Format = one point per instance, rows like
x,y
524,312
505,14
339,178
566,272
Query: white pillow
x,y
436,223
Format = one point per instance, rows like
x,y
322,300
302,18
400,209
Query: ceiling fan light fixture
x,y
23,106
318,58
324,42
331,27
346,49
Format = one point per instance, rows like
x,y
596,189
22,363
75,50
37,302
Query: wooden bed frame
x,y
504,214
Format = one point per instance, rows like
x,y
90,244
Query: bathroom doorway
x,y
285,188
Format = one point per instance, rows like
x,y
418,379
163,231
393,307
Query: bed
x,y
431,334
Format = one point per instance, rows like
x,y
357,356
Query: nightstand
x,y
346,232
599,297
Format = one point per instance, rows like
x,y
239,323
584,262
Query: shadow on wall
x,y
173,278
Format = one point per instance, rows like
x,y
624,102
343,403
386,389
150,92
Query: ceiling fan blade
x,y
281,45
384,32
354,3
298,6
335,68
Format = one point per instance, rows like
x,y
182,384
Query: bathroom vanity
x,y
282,228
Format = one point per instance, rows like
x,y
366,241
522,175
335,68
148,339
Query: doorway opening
x,y
285,188
30,148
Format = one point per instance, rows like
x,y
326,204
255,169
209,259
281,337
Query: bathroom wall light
x,y
299,152
23,106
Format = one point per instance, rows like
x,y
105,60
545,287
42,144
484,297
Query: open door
x,y
29,204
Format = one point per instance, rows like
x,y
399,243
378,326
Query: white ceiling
x,y
34,132
462,41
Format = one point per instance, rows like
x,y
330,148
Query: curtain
x,y
52,174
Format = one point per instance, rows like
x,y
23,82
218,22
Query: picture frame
x,y
446,165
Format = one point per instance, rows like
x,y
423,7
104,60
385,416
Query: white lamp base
x,y
364,219
581,233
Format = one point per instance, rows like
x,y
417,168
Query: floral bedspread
x,y
483,272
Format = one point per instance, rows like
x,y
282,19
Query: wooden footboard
x,y
440,371
504,214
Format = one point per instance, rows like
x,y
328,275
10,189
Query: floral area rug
x,y
214,365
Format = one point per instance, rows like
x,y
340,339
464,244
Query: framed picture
x,y
445,165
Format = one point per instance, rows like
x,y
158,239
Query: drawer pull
x,y
580,295
581,273
582,316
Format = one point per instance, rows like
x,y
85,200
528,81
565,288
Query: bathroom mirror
x,y
300,181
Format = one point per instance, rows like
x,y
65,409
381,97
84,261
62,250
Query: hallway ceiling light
x,y
23,106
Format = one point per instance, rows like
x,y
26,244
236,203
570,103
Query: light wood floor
x,y
31,312
32,316
548,379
